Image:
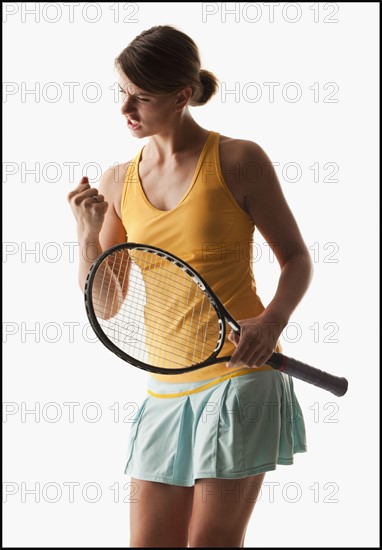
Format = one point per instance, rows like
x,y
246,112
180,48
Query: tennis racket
x,y
157,313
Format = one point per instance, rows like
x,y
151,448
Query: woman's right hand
x,y
89,208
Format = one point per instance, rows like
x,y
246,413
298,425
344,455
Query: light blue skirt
x,y
236,428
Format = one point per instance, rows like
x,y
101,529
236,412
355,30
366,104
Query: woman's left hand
x,y
256,343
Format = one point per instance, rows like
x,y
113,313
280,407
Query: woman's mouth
x,y
133,124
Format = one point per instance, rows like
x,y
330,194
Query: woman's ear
x,y
182,98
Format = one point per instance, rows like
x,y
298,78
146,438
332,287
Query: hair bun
x,y
209,87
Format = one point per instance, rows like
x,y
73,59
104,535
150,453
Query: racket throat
x,y
234,326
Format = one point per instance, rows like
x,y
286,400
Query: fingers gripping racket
x,y
157,313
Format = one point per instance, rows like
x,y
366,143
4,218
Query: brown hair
x,y
162,60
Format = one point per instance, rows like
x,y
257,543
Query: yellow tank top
x,y
208,230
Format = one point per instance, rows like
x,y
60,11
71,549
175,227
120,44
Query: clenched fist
x,y
89,207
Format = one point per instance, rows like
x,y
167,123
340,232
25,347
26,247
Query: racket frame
x,y
222,314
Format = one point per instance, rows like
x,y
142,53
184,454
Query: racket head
x,y
167,320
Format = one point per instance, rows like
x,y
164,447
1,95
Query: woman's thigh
x,y
159,514
221,510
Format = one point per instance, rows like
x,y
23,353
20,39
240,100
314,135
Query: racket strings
x,y
153,311
162,301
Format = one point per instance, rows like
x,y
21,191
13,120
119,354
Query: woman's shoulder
x,y
116,173
237,149
112,183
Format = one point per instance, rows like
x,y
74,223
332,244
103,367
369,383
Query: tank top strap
x,y
212,147
131,177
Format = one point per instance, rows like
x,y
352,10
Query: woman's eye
x,y
135,97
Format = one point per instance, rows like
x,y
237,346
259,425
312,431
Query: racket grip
x,y
335,384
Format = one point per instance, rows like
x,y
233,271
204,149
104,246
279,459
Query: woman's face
x,y
149,114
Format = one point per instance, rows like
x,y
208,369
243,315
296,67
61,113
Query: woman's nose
x,y
127,105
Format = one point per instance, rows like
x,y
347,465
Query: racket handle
x,y
335,384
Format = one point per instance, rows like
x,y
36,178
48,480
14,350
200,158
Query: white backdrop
x,y
302,81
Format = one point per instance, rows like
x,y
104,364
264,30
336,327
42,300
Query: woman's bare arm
x,y
98,228
272,216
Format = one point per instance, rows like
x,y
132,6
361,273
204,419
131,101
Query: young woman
x,y
202,441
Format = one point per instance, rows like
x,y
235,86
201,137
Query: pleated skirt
x,y
241,426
